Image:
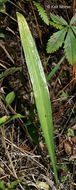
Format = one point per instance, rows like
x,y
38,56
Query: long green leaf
x,y
40,88
70,47
6,119
56,41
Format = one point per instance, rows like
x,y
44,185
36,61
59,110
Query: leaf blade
x,y
7,118
39,86
10,97
58,19
73,20
56,41
55,69
70,47
58,26
74,29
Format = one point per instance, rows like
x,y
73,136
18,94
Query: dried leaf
x,y
73,139
68,148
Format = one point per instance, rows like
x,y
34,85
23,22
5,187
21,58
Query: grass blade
x,y
6,118
55,69
40,88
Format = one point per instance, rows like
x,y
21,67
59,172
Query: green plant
x,y
32,130
66,35
10,97
7,118
9,71
40,87
55,69
11,186
70,132
64,96
2,9
42,13
1,185
2,35
2,1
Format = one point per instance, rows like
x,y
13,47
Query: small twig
x,y
74,7
7,167
49,182
72,157
8,55
38,29
4,63
3,177
7,153
3,107
27,154
65,87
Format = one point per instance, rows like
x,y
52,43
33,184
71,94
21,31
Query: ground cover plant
x,y
58,38
37,96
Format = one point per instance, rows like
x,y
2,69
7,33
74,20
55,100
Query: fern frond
x,y
56,41
58,26
58,19
42,12
70,47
